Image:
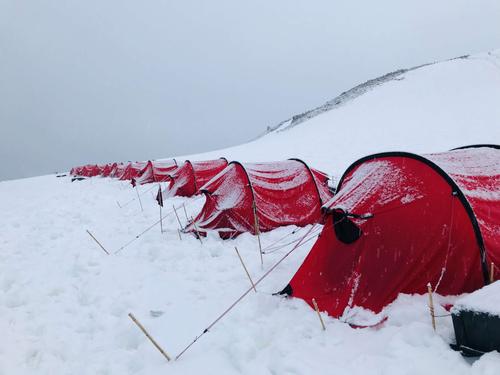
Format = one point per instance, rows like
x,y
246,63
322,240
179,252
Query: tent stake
x,y
257,232
492,272
139,197
319,315
161,221
177,216
431,306
245,293
245,268
95,239
141,327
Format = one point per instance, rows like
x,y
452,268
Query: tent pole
x,y
177,216
257,232
245,268
185,212
161,221
95,239
492,272
156,345
139,197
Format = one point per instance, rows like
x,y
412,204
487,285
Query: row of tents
x,y
396,222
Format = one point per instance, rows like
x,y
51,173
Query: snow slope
x,y
426,109
64,302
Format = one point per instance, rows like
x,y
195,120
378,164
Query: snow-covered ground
x,y
64,302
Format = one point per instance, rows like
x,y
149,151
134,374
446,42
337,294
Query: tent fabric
x,y
106,170
156,171
132,170
432,218
280,193
186,180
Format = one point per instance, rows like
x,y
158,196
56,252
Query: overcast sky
x,y
106,80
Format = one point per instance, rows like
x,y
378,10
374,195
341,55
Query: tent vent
x,y
345,230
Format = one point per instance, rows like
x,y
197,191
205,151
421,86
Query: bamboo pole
x,y
161,221
95,239
246,270
492,272
244,294
319,315
139,197
141,327
257,232
177,216
431,306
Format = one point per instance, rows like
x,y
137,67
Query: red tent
x,y
106,170
399,221
191,176
90,170
156,171
267,195
132,170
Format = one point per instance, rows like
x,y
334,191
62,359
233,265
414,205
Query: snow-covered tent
x,y
132,170
399,221
186,180
156,171
107,169
260,197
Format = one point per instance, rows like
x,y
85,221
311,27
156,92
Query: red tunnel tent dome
x,y
156,171
186,180
283,193
108,168
117,170
90,170
399,221
132,170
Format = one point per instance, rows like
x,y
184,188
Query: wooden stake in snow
x,y
245,293
492,272
141,327
95,239
431,306
177,216
161,221
185,212
245,268
139,197
257,232
319,315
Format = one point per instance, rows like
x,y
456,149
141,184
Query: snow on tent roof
x,y
399,221
132,170
191,175
283,193
156,171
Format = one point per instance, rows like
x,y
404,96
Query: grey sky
x,y
96,80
